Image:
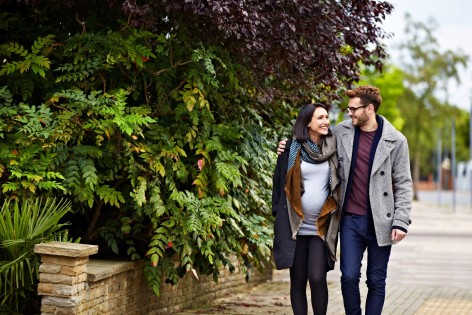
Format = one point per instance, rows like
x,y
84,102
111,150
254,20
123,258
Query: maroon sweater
x,y
358,198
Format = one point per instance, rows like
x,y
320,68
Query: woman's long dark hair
x,y
304,117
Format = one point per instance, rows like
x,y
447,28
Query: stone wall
x,y
70,283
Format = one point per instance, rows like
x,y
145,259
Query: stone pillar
x,y
63,276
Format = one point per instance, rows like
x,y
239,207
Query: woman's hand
x,y
281,148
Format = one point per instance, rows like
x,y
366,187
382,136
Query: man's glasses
x,y
353,109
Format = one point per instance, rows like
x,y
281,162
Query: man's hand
x,y
281,147
397,235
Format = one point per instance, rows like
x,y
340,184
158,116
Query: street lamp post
x,y
453,163
439,167
469,170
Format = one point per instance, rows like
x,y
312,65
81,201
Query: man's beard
x,y
361,120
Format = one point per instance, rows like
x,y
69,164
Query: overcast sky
x,y
454,31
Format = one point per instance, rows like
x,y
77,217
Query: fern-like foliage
x,y
160,142
94,55
19,61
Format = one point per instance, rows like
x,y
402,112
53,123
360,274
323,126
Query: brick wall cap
x,y
65,249
100,269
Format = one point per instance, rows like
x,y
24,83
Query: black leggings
x,y
310,263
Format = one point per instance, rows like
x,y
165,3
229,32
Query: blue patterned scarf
x,y
310,152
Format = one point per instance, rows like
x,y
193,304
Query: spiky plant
x,y
24,223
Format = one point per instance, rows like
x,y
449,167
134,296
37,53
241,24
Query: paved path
x,y
430,272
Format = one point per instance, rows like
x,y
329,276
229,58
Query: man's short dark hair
x,y
368,94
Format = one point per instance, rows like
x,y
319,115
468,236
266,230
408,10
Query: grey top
x,y
316,184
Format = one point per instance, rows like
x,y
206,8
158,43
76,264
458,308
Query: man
x,y
376,196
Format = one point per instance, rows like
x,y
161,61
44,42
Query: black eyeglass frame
x,y
353,109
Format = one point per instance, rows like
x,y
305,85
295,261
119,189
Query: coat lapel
x,y
383,151
346,135
385,146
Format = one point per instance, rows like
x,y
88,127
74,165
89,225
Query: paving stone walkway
x,y
430,272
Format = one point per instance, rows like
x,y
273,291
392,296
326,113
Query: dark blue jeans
x,y
357,235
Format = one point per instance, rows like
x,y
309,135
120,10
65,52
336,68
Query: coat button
x,y
385,194
389,215
382,173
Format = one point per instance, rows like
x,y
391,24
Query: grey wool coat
x,y
390,187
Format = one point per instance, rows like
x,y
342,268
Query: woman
x,y
304,203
